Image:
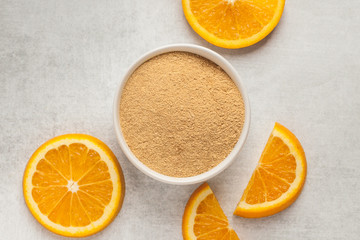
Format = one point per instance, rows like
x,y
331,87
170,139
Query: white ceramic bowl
x,y
226,66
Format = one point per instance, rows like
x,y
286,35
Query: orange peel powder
x,y
181,114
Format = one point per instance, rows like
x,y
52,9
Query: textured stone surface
x,y
60,62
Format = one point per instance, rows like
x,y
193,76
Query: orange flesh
x,y
211,222
233,19
273,175
72,185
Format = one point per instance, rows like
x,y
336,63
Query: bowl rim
x,y
228,68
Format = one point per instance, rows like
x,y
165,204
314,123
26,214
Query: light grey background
x,y
61,60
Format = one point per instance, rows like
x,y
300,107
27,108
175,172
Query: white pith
x,y
231,1
73,186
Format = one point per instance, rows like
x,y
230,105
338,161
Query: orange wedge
x,y
233,23
278,178
73,185
204,219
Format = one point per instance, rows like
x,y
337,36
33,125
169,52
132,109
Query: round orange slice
x,y
204,219
278,178
74,185
233,23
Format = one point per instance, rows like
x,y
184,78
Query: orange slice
x,y
233,23
204,219
278,178
73,185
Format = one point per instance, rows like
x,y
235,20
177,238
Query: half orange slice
x,y
233,23
204,219
278,178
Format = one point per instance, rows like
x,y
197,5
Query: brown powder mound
x,y
181,114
